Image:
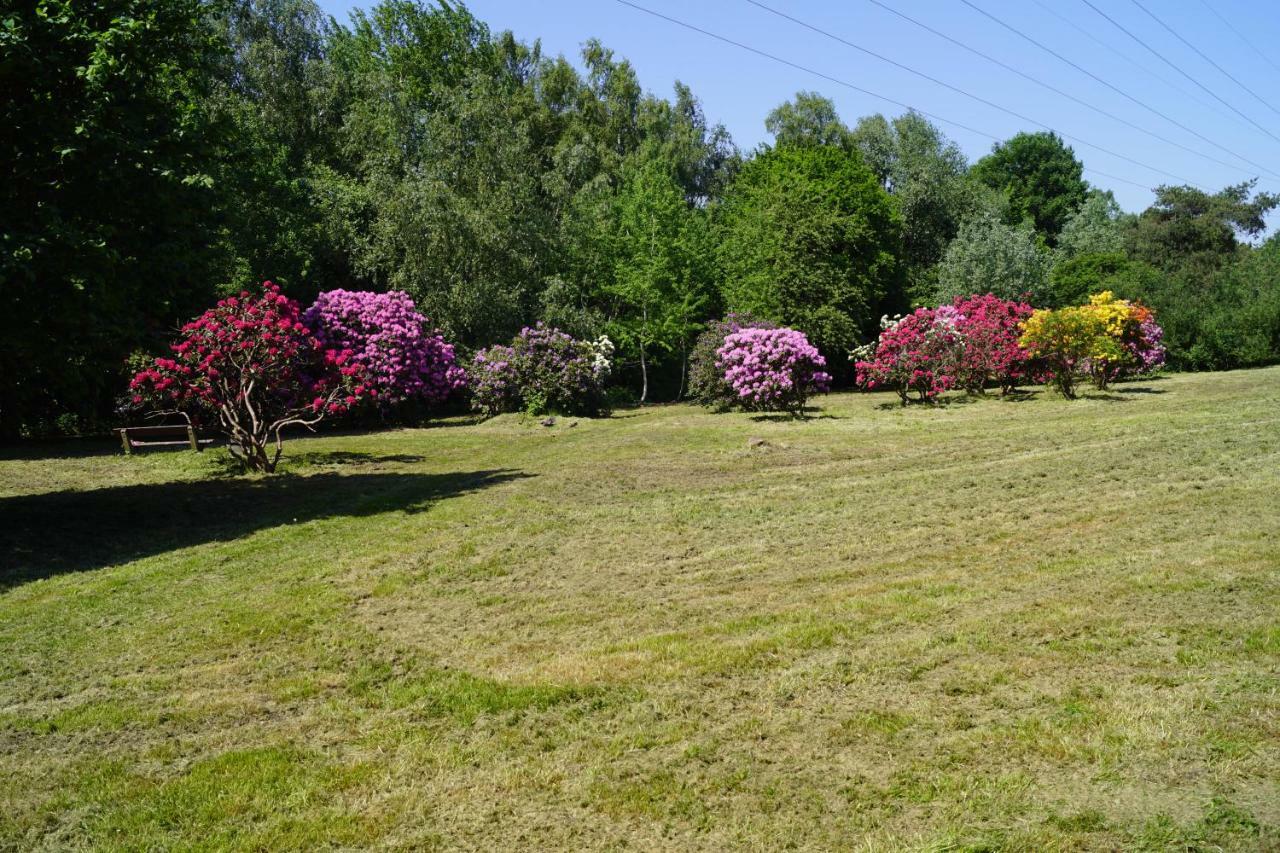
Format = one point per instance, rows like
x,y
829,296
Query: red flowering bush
x,y
250,365
402,355
920,352
989,328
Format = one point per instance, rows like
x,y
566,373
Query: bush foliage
x,y
543,370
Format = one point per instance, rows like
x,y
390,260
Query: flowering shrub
x,y
1068,341
252,366
989,329
707,384
1133,327
772,369
543,370
403,357
920,352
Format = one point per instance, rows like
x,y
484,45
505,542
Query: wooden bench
x,y
161,436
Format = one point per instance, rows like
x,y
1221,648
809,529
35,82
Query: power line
x,y
1131,61
1203,56
1166,61
1043,84
967,94
872,94
1115,89
1239,34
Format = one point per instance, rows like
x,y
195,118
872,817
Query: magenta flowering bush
x,y
402,355
543,370
989,328
772,369
920,352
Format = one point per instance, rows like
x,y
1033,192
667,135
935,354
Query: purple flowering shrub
x,y
543,370
772,369
402,355
707,384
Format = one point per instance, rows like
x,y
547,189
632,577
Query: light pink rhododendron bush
x,y
250,365
402,355
774,370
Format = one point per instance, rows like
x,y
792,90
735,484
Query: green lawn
x,y
1027,625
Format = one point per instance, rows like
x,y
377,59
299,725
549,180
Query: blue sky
x,y
739,88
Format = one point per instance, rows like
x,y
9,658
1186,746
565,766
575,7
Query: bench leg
x,y
124,441
191,436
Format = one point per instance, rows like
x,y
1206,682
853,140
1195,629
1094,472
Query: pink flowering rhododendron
x,y
989,328
250,365
772,369
920,352
402,355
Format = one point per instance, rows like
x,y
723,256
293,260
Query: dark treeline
x,y
159,153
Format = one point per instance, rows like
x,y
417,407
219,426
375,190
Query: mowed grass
x,y
995,625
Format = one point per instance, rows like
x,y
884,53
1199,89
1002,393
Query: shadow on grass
x,y
56,532
810,413
1103,397
347,457
1140,390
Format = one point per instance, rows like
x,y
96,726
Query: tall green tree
x,y
807,119
661,284
106,234
988,256
928,176
1041,177
1189,229
1097,227
811,239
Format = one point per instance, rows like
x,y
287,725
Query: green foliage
x,y
809,119
662,276
989,256
809,238
1187,229
1097,227
928,176
1225,320
105,238
1042,177
1072,281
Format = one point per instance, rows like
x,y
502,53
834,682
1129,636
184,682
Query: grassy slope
x,y
1032,625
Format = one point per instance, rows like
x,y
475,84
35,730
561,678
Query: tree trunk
x,y
644,376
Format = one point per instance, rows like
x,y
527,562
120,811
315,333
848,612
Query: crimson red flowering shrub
x,y
920,352
989,329
252,367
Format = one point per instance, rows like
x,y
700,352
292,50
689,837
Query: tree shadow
x,y
347,457
1018,396
1103,397
1139,390
57,532
809,413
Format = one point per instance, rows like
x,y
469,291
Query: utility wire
x,y
1117,90
957,89
1239,34
1175,67
1203,56
1130,60
1039,82
876,95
